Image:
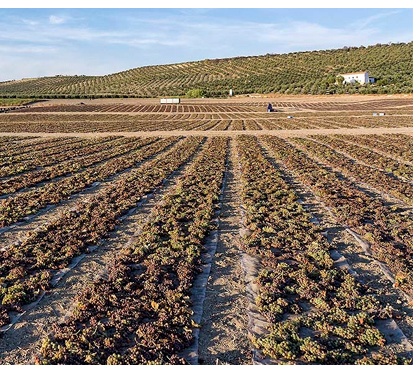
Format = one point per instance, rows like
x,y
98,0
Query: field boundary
x,y
282,133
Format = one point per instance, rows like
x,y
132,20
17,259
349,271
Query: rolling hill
x,y
312,72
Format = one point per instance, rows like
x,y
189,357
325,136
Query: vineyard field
x,y
207,232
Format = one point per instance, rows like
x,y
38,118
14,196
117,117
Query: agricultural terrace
x,y
207,232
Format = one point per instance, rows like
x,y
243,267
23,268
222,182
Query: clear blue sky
x,y
96,41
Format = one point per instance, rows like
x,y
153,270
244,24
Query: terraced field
x,y
209,232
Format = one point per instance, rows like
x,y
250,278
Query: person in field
x,y
269,107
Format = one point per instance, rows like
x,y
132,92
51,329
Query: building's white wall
x,y
361,78
170,101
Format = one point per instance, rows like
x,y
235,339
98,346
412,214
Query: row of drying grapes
x,y
388,228
398,145
16,146
141,313
26,268
82,159
370,157
318,313
36,159
22,204
378,179
115,122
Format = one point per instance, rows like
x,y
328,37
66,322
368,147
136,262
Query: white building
x,y
170,101
360,77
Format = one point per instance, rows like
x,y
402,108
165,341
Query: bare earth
x,y
281,133
223,334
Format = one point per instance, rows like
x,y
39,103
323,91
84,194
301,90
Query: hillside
x,y
311,72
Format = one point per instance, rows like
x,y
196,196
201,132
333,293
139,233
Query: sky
x,y
79,38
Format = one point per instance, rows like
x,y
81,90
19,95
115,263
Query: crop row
x,y
399,146
258,106
380,121
13,140
320,122
402,141
141,313
29,202
10,149
355,119
369,157
27,268
396,145
318,313
388,229
41,155
149,108
31,122
57,155
140,118
112,123
380,180
86,157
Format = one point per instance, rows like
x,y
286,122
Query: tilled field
x,y
234,248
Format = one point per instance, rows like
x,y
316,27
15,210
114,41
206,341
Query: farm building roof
x,y
352,73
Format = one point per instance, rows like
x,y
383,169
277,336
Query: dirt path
x,y
223,333
281,133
